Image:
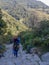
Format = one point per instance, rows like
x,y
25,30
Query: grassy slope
x,y
39,14
14,27
34,17
12,23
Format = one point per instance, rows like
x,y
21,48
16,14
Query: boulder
x,y
43,63
45,57
35,51
36,58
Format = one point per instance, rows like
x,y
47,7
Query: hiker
x,y
16,41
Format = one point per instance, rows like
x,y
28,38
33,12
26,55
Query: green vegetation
x,y
2,49
2,27
2,32
13,27
39,37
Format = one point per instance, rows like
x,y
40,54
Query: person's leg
x,y
16,53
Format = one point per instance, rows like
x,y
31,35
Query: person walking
x,y
16,45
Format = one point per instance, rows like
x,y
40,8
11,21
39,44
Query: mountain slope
x,y
34,17
29,3
17,8
31,18
12,23
14,27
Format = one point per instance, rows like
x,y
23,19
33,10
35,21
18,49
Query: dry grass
x,y
12,23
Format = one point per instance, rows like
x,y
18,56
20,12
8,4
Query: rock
x,y
45,57
35,51
36,58
28,56
44,63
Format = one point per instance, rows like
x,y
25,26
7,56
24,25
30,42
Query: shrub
x,y
2,27
2,31
2,49
39,37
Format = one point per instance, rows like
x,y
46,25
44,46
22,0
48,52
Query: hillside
x,y
33,17
17,8
27,3
12,23
13,27
30,18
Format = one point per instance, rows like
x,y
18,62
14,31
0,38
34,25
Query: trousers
x,y
15,52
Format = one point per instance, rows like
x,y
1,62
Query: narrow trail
x,y
22,59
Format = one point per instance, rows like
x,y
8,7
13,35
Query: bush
x,y
2,49
2,32
27,39
37,41
2,27
39,37
7,38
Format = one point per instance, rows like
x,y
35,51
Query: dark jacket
x,y
16,43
